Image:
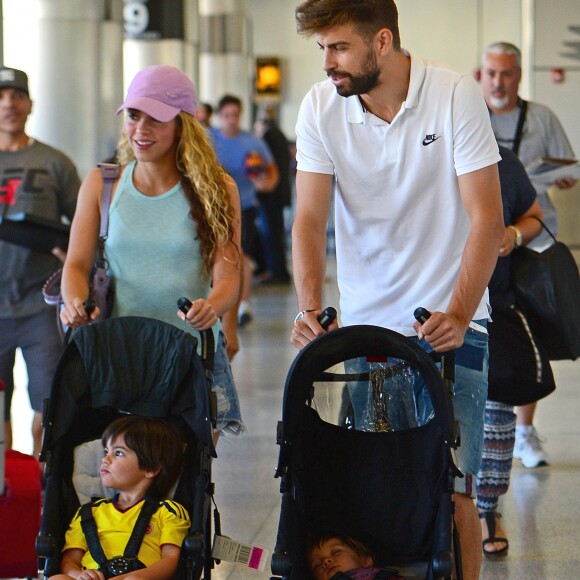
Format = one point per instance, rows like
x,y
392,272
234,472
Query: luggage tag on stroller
x,y
229,550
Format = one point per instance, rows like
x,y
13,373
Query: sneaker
x,y
528,448
244,318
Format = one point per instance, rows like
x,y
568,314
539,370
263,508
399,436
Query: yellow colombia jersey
x,y
169,525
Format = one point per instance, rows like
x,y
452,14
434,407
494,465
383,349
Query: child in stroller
x,y
118,367
142,459
337,557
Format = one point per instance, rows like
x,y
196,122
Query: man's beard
x,y
499,102
362,83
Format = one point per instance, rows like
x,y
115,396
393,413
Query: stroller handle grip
x,y
421,314
326,317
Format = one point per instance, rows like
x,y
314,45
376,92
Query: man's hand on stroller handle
x,y
441,330
309,324
326,317
199,314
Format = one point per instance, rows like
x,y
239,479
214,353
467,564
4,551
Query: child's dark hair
x,y
316,540
157,444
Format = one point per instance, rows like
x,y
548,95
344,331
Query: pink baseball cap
x,y
161,91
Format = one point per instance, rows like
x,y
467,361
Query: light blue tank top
x,y
153,253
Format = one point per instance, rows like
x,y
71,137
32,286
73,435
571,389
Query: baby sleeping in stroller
x,y
366,442
142,461
339,557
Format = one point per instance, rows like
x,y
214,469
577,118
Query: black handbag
x,y
547,287
519,370
101,289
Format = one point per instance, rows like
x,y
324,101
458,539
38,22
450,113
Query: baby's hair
x,y
157,444
317,540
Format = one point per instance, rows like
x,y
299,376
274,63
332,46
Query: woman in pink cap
x,y
174,225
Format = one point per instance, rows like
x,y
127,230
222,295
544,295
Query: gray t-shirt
x,y
542,135
41,181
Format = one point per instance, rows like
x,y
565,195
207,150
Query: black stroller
x,y
366,443
127,365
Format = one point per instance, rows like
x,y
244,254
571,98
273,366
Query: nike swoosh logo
x,y
429,141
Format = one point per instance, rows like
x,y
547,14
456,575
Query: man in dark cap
x,y
14,79
37,180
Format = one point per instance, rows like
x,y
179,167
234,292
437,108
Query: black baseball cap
x,y
12,78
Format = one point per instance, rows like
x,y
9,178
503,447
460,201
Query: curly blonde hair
x,y
204,186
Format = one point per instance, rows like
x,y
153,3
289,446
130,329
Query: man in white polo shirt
x,y
417,206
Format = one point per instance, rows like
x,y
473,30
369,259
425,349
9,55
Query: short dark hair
x,y
315,540
368,16
229,100
157,444
207,107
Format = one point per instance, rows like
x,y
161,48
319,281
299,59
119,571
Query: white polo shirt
x,y
401,226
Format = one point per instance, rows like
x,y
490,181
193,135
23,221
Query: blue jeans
x,y
229,418
409,404
471,366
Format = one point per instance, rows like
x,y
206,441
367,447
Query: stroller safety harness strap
x,y
119,564
149,508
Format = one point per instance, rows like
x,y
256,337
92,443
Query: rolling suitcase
x,y
20,507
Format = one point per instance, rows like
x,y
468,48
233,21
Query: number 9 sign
x,y
135,17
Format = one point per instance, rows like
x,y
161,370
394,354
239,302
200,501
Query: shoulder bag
x,y
547,287
101,284
519,370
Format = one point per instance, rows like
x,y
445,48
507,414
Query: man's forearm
x,y
313,195
477,265
308,265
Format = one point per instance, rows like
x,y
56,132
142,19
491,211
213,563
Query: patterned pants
x,y
498,446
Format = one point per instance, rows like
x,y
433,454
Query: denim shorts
x,y
229,418
471,366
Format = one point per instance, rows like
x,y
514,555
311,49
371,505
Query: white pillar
x,y
527,48
71,92
1,46
111,91
191,45
225,49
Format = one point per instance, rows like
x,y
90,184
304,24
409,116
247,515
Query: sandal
x,y
490,518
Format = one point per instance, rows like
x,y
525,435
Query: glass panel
x,y
372,395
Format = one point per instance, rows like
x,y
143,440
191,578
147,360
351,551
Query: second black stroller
x,y
366,443
128,365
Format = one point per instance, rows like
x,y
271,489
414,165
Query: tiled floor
x,y
540,510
